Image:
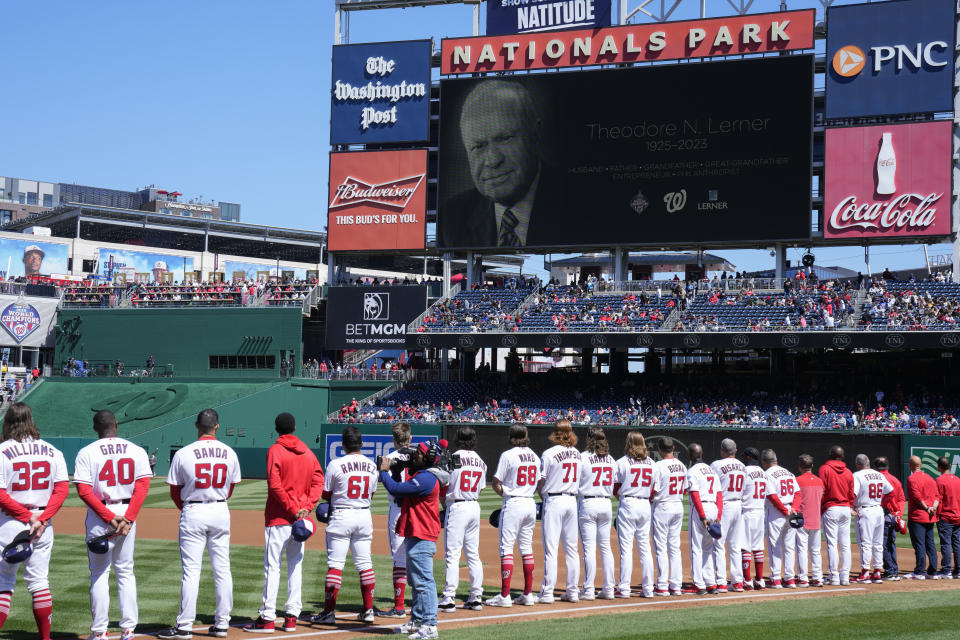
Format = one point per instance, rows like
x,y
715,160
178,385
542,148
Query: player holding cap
x,y
753,500
783,500
401,440
294,485
112,477
669,478
462,529
202,477
706,508
560,473
349,486
595,513
33,486
516,479
869,487
733,475
633,485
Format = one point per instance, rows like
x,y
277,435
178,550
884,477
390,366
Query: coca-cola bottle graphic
x,y
886,166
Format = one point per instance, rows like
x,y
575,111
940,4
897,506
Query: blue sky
x,y
228,100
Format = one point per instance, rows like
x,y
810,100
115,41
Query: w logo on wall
x,y
376,306
20,319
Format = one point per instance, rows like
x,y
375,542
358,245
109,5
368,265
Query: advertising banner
x,y
373,446
27,321
888,58
239,271
147,267
630,157
530,16
380,92
732,35
378,200
930,449
888,180
369,317
30,257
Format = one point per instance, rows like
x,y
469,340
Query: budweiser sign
x,y
396,193
888,181
733,35
383,210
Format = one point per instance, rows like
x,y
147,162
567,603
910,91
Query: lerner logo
x,y
376,306
20,319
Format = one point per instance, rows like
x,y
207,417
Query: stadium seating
x,y
477,309
190,295
571,308
912,305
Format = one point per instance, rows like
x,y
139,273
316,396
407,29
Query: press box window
x,y
243,362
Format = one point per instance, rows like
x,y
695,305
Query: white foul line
x,y
541,611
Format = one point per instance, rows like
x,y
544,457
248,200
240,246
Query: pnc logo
x,y
849,61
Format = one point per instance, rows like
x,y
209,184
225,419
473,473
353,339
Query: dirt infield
x,y
248,530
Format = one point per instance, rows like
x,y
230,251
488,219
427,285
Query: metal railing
x,y
345,373
386,391
108,369
312,299
418,321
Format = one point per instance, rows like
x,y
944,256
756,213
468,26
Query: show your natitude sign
x,y
378,200
888,180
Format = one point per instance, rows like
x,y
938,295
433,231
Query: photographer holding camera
x,y
419,522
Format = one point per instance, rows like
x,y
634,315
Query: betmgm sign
x,y
372,317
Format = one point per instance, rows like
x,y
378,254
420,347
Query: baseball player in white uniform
x,y
596,514
669,479
516,479
202,477
732,475
33,486
112,477
869,487
350,483
633,485
706,507
559,485
783,500
401,439
753,501
462,527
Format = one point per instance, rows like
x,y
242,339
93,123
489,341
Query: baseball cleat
x,y
737,587
934,576
425,632
587,594
260,626
803,583
390,613
661,592
748,585
676,592
545,598
621,594
693,591
175,634
408,627
447,605
863,578
98,635
325,617
790,583
570,597
722,588
776,584
877,577
126,634
759,584
646,594
289,623
217,632
605,595
473,605
499,600
366,616
526,600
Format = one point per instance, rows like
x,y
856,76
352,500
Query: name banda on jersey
x,y
210,452
28,449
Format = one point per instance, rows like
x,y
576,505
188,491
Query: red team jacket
x,y
294,480
811,493
837,485
949,486
418,515
893,502
921,487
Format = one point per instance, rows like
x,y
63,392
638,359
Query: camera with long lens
x,y
446,460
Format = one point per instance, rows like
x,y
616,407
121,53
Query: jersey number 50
x,y
210,475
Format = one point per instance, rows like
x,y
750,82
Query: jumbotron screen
x,y
668,154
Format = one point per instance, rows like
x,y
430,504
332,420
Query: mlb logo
x,y
20,320
376,306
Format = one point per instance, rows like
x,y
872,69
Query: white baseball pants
x,y
808,547
595,518
277,542
462,531
782,546
753,530
704,550
870,537
836,529
119,555
205,525
36,568
633,526
667,522
731,524
518,517
349,529
559,525
398,551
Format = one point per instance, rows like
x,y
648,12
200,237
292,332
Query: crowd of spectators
x,y
912,305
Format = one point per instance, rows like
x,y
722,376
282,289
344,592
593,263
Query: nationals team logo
x,y
20,319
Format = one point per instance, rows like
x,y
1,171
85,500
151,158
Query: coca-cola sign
x,y
378,200
888,180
